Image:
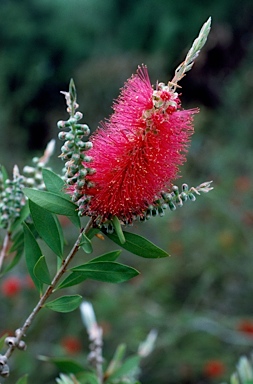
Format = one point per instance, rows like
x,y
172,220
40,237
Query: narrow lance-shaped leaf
x,y
63,364
73,279
109,256
4,172
129,366
17,241
116,361
139,246
51,201
65,303
106,271
88,378
54,183
86,244
118,229
92,232
47,227
24,212
22,380
2,340
14,261
32,254
41,271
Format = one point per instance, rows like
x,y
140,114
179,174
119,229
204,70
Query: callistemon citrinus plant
x,y
134,156
125,172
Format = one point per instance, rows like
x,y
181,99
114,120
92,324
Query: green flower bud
x,y
83,172
191,197
88,159
183,196
78,115
171,206
61,124
70,136
62,135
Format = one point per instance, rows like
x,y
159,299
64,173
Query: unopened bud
x,y
78,115
61,124
172,205
29,171
21,345
5,370
29,182
88,159
191,197
62,135
10,341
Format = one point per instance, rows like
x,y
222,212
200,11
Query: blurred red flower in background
x,y
214,368
11,286
71,345
246,326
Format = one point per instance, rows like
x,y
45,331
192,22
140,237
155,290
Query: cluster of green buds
x,y
175,198
171,200
73,151
11,197
33,174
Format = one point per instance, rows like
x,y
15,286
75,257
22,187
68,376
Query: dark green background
x,y
197,298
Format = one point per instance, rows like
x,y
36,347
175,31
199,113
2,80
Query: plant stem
x,y
4,248
48,292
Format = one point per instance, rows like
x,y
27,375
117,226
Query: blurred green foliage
x,y
200,298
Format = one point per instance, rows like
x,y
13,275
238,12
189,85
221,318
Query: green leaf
x,y
87,378
17,241
75,220
65,303
110,256
32,254
73,279
54,183
41,271
129,366
139,246
22,380
63,364
118,229
4,172
52,202
24,212
92,232
106,271
86,244
116,361
47,227
14,261
2,340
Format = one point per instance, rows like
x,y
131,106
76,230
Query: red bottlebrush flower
x,y
137,152
11,286
214,368
71,345
246,326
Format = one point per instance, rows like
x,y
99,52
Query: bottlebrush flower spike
x,y
137,152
